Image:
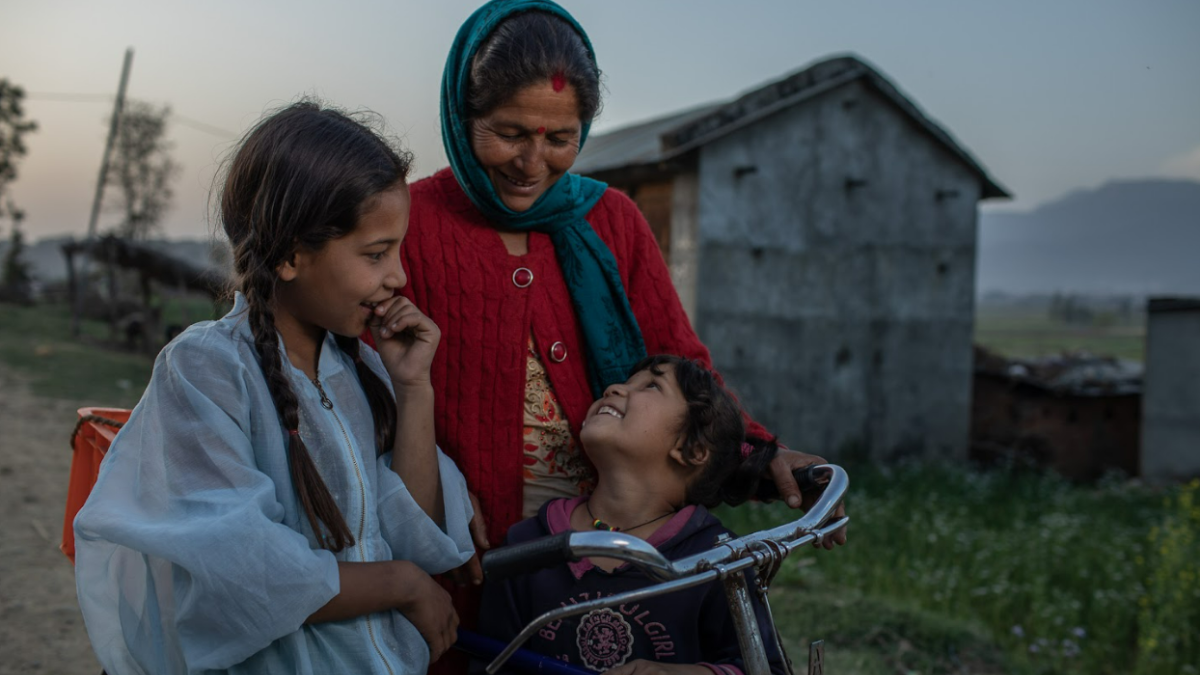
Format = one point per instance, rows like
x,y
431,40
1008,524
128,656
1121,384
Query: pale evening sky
x,y
1050,96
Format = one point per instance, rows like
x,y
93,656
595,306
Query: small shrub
x,y
1169,608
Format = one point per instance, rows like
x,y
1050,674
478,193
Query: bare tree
x,y
13,127
142,169
15,276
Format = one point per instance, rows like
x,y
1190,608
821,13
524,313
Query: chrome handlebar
x,y
727,558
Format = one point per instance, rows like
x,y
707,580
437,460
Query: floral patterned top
x,y
553,464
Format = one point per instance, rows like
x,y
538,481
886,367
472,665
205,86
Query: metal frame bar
x,y
726,562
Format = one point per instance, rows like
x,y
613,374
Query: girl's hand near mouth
x,y
406,339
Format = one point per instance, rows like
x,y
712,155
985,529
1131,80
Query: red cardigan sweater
x,y
461,275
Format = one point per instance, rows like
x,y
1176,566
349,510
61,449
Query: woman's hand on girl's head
x,y
406,340
786,461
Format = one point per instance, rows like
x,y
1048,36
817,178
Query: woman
x,y
547,286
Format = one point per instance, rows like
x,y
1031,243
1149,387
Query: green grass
x,y
870,635
185,311
1052,577
1031,333
36,343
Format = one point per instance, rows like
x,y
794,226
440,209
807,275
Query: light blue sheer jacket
x,y
193,554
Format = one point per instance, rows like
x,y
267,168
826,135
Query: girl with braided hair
x,y
276,503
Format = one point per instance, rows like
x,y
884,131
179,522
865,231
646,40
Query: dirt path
x,y
41,630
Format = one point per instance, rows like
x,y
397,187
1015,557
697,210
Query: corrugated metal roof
x,y
635,144
665,138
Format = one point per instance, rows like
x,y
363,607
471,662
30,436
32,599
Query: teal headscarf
x,y
614,341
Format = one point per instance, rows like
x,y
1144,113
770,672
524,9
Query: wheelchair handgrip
x,y
806,478
509,561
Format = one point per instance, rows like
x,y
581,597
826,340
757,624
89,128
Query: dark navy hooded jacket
x,y
689,626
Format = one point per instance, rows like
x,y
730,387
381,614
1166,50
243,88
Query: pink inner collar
x,y
558,517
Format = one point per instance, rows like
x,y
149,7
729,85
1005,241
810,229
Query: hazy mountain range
x,y
1136,237
46,256
1139,237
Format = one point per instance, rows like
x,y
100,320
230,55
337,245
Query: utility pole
x,y
77,291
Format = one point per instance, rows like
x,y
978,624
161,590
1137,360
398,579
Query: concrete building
x,y
1171,392
821,231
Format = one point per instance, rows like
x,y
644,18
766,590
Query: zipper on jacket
x,y
362,515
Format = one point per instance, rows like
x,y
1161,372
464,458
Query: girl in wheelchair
x,y
667,445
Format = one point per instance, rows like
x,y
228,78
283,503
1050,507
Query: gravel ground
x,y
41,630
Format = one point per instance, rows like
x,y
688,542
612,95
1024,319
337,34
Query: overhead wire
x,y
106,98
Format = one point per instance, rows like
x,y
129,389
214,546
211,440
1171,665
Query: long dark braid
x,y
302,177
315,499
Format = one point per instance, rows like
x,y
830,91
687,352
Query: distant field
x,y
36,342
1031,333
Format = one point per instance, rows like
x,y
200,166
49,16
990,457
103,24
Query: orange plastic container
x,y
89,445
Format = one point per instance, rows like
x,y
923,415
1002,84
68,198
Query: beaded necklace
x,y
601,525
